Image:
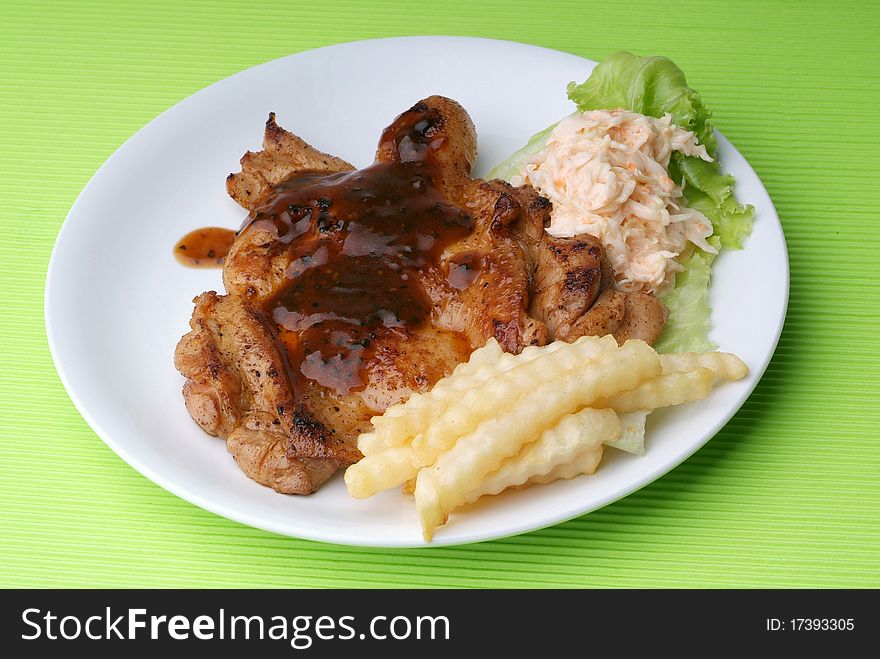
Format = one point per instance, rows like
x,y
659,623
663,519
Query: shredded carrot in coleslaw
x,y
606,172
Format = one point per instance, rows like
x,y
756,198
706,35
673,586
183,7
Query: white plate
x,y
117,301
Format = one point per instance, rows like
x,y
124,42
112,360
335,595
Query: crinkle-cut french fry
x,y
661,391
444,486
583,463
724,365
557,446
479,365
402,422
632,432
393,432
379,471
479,358
399,424
384,467
569,363
432,513
486,355
370,443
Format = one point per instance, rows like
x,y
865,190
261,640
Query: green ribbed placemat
x,y
787,494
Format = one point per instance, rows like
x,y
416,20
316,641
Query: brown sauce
x,y
360,246
204,248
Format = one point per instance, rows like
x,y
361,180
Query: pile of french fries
x,y
502,420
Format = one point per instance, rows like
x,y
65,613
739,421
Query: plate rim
x,y
317,535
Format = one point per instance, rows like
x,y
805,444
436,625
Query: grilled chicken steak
x,y
348,290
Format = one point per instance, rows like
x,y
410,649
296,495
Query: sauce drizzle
x,y
204,248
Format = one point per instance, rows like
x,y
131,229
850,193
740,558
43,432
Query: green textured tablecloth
x,y
786,495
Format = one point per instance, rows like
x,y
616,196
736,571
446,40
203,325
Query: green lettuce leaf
x,y
648,85
655,86
688,327
736,224
513,165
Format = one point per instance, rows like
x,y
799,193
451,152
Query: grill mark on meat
x,y
506,333
581,280
541,203
507,209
